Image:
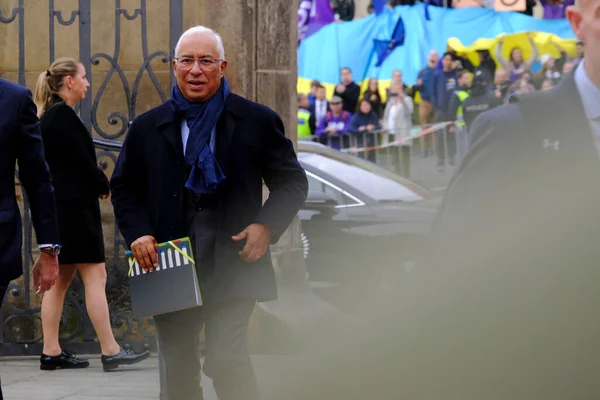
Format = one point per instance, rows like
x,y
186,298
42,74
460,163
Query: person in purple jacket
x,y
555,9
335,123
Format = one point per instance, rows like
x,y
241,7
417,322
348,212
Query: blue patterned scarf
x,y
201,118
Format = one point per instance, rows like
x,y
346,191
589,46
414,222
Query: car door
x,y
354,248
322,227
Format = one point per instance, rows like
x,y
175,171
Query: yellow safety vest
x,y
462,96
303,125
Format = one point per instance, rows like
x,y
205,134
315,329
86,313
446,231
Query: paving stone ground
x,y
23,380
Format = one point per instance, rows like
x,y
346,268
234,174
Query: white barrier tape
x,y
423,132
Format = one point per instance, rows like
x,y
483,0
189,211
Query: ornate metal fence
x,y
20,332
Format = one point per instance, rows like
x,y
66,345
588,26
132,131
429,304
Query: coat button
x,y
175,194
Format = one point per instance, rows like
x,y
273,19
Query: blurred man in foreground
x,y
508,306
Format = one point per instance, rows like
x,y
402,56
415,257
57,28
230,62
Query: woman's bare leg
x,y
94,280
52,307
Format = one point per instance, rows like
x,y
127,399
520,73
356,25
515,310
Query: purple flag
x,y
312,16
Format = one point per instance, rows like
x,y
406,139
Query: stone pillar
x,y
260,39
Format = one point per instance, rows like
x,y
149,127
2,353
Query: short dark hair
x,y
449,53
315,83
320,86
346,69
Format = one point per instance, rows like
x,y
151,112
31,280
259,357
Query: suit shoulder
x,y
149,121
513,112
16,97
151,116
510,111
249,109
13,88
500,127
504,117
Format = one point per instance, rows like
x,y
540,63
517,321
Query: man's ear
x,y
223,67
575,19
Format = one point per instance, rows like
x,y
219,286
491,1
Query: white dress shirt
x,y
320,110
590,98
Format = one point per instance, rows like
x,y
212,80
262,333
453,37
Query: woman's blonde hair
x,y
51,81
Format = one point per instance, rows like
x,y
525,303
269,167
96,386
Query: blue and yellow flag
x,y
350,44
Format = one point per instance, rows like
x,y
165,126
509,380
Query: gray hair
x,y
199,29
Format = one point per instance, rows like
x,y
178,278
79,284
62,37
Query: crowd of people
x,y
352,111
450,89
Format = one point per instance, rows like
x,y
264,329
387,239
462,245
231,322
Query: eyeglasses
x,y
206,63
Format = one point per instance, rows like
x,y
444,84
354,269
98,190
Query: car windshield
x,y
378,187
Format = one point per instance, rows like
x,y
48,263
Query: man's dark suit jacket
x,y
509,309
20,140
150,199
511,301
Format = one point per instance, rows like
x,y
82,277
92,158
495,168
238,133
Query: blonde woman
x,y
78,184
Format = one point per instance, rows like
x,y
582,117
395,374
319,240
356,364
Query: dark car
x,y
363,226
